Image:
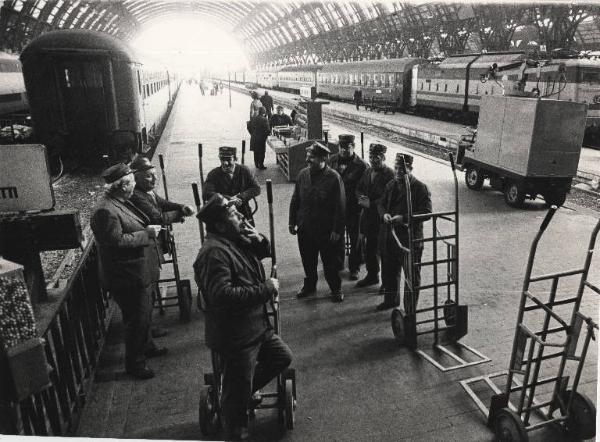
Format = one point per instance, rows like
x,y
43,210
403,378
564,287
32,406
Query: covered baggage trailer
x,y
526,147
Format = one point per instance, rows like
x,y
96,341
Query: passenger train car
x,y
453,87
12,88
90,96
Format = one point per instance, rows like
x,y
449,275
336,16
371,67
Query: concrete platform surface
x,y
354,382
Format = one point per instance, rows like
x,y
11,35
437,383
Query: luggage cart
x,y
284,396
536,352
447,316
183,288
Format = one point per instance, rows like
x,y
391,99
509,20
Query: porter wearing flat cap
x,y
129,264
317,211
393,209
233,283
351,168
232,180
369,191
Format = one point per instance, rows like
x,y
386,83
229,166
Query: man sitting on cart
x,y
393,210
236,291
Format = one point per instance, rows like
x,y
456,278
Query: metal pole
x,y
164,176
243,150
229,79
198,202
362,145
272,228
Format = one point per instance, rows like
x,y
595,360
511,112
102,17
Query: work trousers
x,y
310,246
354,259
392,262
372,252
246,371
259,157
136,309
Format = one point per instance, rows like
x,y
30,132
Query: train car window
x,y
421,85
457,88
591,77
139,81
446,87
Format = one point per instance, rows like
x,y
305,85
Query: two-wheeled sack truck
x,y
444,318
183,289
544,343
283,398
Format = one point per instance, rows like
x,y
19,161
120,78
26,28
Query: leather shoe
x,y
353,275
385,306
304,292
159,332
337,296
367,281
141,373
156,352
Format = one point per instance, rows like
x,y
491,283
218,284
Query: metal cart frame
x,y
183,288
577,414
450,319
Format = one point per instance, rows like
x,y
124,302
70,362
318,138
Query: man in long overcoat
x,y
317,213
232,281
351,168
259,130
267,102
369,191
129,264
393,210
232,180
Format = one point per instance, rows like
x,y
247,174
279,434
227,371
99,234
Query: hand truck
x,y
183,288
448,317
534,355
283,398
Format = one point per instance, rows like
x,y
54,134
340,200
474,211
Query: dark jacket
x,y
159,211
374,190
358,97
231,279
259,130
318,207
394,202
243,184
128,256
351,175
267,102
280,120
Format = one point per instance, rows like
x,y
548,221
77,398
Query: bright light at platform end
x,y
190,45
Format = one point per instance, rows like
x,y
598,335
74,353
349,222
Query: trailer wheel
x,y
514,194
207,412
185,300
581,420
290,404
555,198
509,427
398,326
474,178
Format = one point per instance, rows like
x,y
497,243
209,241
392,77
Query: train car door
x,y
83,91
414,83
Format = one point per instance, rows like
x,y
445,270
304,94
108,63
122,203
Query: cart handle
x,y
161,161
546,309
451,156
548,217
539,340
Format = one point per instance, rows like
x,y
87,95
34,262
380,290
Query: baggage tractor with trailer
x,y
526,147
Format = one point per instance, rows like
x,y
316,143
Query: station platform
x,y
354,382
428,130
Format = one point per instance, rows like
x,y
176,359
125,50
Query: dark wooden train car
x,y
84,90
12,89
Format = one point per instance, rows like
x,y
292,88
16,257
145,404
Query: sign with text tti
x,y
25,181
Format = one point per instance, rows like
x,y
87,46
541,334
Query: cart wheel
x,y
207,413
581,417
398,326
450,312
513,194
473,178
290,404
185,300
509,427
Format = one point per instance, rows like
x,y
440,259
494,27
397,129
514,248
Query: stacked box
x,y
17,321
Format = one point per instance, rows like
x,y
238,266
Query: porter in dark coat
x,y
259,130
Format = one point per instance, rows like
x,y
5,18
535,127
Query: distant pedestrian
x,y
358,98
259,130
369,192
267,102
351,168
232,180
255,105
202,86
317,216
393,209
280,118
